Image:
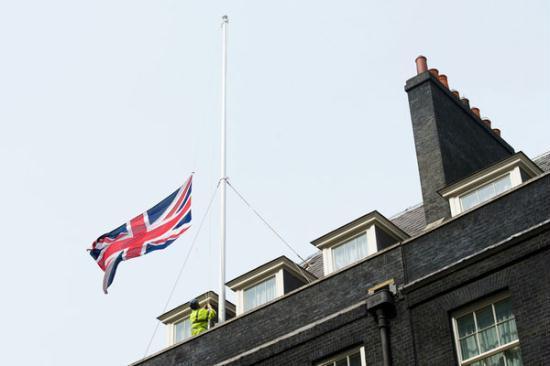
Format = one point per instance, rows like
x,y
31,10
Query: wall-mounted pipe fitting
x,y
381,305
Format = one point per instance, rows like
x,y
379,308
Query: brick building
x,y
461,279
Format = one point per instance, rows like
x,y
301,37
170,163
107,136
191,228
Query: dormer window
x,y
259,294
268,282
357,240
351,251
489,183
486,192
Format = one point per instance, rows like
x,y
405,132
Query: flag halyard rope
x,y
300,269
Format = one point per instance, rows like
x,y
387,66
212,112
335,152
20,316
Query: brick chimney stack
x,y
451,140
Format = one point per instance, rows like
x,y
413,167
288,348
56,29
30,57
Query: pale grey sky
x,y
107,106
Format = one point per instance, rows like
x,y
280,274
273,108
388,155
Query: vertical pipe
x,y
383,326
223,178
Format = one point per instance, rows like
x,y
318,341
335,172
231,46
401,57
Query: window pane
x,y
485,317
339,256
508,331
343,362
469,200
183,330
488,339
270,289
495,360
469,348
466,325
513,357
260,294
486,192
503,310
351,251
249,298
355,359
503,184
362,247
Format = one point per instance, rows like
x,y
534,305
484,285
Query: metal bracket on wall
x,y
388,284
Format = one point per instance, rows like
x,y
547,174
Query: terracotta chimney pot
x,y
443,80
421,64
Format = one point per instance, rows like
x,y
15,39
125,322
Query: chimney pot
x,y
456,93
475,111
496,131
421,64
443,80
434,72
465,101
487,122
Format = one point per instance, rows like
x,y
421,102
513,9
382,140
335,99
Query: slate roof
x,y
411,221
314,264
543,161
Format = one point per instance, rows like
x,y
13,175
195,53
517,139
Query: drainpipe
x,y
381,306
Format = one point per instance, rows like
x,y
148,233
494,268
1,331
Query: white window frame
x,y
339,356
277,268
513,166
172,331
456,203
279,290
328,257
469,309
368,224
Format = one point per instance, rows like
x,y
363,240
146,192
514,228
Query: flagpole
x,y
223,179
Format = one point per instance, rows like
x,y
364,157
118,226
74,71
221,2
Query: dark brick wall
x,y
521,269
341,335
469,233
421,332
451,143
277,318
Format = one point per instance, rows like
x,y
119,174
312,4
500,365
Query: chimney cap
x,y
443,80
434,72
421,64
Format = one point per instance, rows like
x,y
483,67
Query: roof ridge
x,y
541,155
413,207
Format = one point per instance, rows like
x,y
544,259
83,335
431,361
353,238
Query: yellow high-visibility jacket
x,y
199,320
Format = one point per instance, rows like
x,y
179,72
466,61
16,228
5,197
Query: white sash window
x,y
351,251
486,334
259,294
182,330
355,357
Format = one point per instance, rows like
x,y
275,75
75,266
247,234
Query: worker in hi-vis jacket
x,y
200,317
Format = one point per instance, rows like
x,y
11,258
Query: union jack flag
x,y
154,229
